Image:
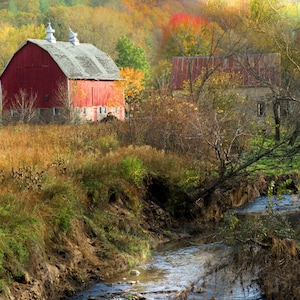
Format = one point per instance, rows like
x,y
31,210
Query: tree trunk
x,y
276,112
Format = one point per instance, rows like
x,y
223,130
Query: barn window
x,y
284,108
76,110
261,109
84,111
55,111
100,110
105,110
13,112
41,111
116,110
46,97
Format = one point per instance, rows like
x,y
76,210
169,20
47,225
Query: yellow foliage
x,y
12,38
133,84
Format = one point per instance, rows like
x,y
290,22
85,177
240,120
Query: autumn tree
x,y
99,31
133,85
165,123
161,76
187,35
134,69
223,120
12,38
272,27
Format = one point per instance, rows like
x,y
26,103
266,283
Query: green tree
x,y
12,7
131,56
31,6
44,5
74,2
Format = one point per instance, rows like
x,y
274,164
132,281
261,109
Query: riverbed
x,y
175,266
178,265
282,204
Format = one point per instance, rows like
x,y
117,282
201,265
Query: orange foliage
x,y
186,34
194,23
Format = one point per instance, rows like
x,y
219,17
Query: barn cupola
x,y
50,37
73,38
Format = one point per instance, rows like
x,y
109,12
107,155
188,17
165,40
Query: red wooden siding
x,y
92,93
87,93
32,69
266,66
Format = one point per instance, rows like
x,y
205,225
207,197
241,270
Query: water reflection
x,y
175,266
288,203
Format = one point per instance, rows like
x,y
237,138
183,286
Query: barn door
x,y
95,119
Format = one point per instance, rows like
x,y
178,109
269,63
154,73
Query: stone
x,y
135,273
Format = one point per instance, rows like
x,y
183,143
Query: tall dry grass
x,y
56,175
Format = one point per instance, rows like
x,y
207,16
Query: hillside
x,y
141,21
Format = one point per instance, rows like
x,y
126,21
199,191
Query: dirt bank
x,y
79,258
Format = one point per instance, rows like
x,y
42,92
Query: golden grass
x,y
39,146
53,176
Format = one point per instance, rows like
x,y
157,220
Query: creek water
x,y
284,204
176,265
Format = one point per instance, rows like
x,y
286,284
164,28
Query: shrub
x,y
18,231
61,203
132,169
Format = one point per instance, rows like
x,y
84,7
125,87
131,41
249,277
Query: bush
x,y
132,169
19,230
63,202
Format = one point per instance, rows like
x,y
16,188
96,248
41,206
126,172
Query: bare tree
x,y
63,102
24,106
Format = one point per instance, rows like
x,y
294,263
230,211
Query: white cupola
x,y
50,37
73,38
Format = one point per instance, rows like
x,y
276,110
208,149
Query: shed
x,y
50,81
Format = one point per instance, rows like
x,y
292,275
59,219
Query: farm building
x,y
50,81
259,74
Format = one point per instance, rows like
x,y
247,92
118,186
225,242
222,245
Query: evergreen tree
x,y
44,6
12,7
131,56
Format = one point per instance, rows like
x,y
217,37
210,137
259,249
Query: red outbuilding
x,y
50,81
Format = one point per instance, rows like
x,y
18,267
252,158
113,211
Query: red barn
x,y
50,81
260,75
254,69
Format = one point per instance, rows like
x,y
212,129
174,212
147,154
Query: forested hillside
x,y
98,22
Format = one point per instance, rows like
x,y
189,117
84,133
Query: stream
x,y
177,264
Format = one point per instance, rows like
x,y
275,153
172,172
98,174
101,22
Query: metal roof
x,y
255,69
82,61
